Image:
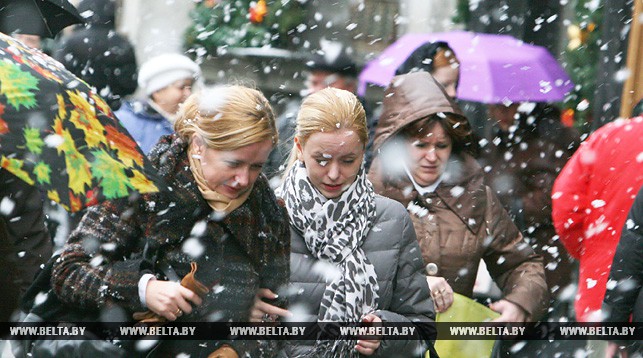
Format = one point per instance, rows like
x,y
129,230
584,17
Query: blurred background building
x,y
589,37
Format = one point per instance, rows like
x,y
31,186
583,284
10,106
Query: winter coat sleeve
x,y
627,269
569,199
411,301
25,227
10,289
512,263
96,265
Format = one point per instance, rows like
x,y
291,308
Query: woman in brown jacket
x,y
458,220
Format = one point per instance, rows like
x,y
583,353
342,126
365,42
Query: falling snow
x,y
598,203
6,206
591,283
54,140
193,247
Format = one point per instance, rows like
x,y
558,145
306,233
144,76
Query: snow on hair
x,y
212,100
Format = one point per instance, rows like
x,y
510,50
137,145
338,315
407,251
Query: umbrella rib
x,y
43,17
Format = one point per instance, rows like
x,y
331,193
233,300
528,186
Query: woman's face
x,y
448,76
429,155
232,173
504,115
332,160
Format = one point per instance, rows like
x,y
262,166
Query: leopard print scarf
x,y
334,231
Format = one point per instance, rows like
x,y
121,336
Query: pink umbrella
x,y
494,68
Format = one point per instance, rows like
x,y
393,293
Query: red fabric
x,y
591,198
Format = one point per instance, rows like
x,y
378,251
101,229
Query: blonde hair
x,y
326,111
227,118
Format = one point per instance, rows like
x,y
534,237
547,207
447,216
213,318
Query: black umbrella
x,y
44,18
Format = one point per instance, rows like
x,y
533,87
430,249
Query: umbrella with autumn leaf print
x,y
57,134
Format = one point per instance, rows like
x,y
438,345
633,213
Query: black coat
x,y
625,298
24,225
10,289
103,59
521,166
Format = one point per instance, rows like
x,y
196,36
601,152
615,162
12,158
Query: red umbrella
x,y
493,68
56,133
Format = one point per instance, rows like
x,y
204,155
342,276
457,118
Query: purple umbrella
x,y
494,68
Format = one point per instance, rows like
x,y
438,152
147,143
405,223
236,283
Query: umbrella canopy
x,y
56,133
44,18
493,68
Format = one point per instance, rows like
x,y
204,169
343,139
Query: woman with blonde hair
x,y
354,256
218,223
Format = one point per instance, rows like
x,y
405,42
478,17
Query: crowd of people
x,y
333,212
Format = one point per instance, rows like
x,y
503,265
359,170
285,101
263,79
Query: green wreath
x,y
243,23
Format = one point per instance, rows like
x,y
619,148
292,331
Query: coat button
x,y
431,269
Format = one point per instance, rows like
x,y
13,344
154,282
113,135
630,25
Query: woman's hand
x,y
265,312
441,292
509,312
169,299
368,346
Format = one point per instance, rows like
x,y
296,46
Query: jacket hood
x,y
408,98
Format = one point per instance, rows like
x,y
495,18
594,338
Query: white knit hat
x,y
163,70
